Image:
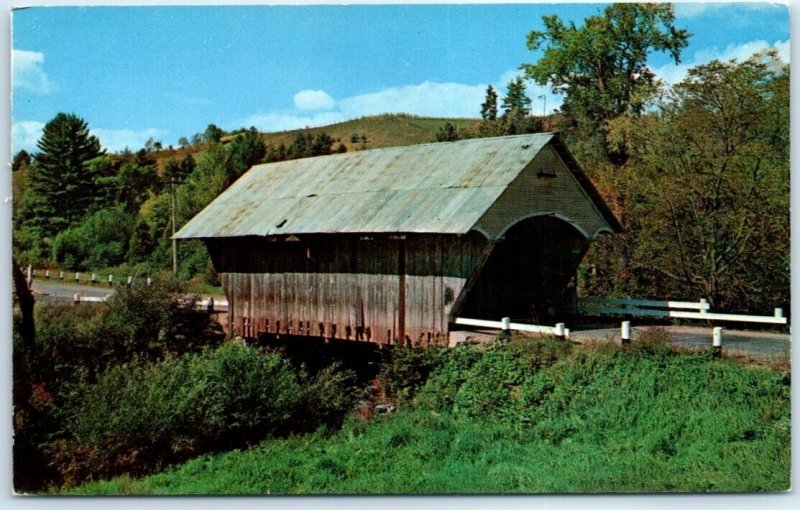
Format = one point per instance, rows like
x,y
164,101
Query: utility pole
x,y
174,241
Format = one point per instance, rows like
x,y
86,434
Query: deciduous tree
x,y
710,201
601,67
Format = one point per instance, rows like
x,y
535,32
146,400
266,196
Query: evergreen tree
x,y
489,107
62,182
516,102
447,133
21,160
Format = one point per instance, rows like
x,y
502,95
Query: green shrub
x,y
100,240
405,369
139,417
75,344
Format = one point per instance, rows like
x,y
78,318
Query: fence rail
x,y
670,310
505,324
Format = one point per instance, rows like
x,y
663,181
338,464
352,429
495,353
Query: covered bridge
x,y
391,245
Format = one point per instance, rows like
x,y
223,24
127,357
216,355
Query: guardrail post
x,y
47,274
779,313
506,325
704,308
94,278
566,333
625,332
130,280
560,330
111,280
77,277
61,275
716,341
76,298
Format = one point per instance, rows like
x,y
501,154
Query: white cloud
x,y
116,140
269,122
25,134
693,9
313,100
429,99
672,74
28,72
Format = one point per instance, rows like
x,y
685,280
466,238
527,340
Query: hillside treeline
x,y
81,208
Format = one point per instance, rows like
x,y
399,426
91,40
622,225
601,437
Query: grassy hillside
x,y
388,130
529,416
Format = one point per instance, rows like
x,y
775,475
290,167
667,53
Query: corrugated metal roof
x,y
430,188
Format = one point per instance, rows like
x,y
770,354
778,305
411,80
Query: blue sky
x,y
167,72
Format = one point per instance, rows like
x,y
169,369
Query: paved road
x,y
55,290
58,291
758,344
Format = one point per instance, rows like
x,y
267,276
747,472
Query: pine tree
x,y
489,107
62,180
516,103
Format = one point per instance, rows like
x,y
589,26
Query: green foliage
x,y
21,160
101,240
405,369
447,133
61,183
194,403
555,418
516,102
177,171
74,345
213,134
489,106
719,146
601,67
246,150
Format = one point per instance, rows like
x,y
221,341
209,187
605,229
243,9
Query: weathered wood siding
x,y
536,191
345,286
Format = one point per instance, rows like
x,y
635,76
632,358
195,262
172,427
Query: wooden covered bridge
x,y
391,245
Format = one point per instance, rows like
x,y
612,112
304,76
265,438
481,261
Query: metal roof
x,y
432,188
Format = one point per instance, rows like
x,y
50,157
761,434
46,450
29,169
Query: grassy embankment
x,y
528,416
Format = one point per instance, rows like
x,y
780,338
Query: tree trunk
x,y
25,297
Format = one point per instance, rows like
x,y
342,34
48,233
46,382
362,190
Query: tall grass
x,y
532,416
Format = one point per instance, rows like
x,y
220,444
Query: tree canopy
x,y
601,67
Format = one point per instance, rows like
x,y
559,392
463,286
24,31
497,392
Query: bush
x,y
406,369
75,344
100,240
140,417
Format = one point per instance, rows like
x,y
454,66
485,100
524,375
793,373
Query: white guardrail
x,y
505,324
670,310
